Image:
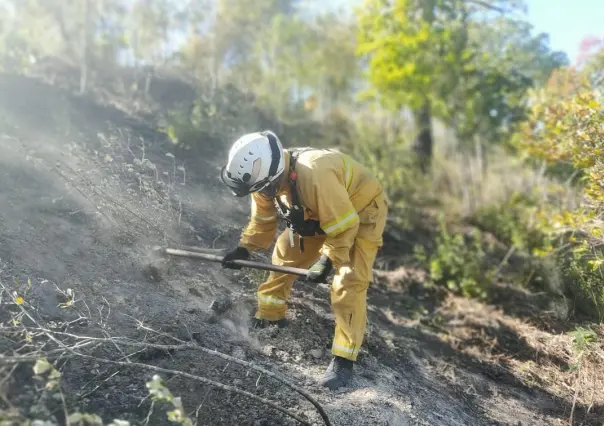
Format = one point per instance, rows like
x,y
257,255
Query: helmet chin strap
x,y
272,188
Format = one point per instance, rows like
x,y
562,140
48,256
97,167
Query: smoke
x,y
240,329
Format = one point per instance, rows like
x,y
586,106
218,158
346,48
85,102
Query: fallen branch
x,y
181,374
182,345
195,346
199,379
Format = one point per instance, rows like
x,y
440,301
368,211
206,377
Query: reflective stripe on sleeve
x,y
349,219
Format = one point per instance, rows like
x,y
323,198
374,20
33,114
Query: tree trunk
x,y
481,155
423,145
84,54
150,72
423,117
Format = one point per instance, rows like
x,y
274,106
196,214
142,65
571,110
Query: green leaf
x,y
42,366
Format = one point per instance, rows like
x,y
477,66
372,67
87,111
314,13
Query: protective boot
x,y
262,323
338,373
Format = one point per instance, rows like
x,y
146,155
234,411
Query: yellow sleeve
x,y
260,231
339,220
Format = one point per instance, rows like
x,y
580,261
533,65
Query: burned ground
x,y
82,205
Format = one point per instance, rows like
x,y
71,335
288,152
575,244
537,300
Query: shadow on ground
x,y
417,315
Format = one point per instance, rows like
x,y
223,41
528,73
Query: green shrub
x,y
214,119
514,223
458,262
565,127
220,116
582,274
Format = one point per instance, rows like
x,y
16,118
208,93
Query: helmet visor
x,y
240,188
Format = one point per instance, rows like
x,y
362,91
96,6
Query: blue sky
x,y
567,22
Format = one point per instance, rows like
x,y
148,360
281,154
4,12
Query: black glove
x,y
320,270
240,253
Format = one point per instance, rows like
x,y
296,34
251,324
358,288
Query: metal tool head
x,y
158,251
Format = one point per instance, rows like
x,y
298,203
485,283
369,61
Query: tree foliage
x,y
472,62
565,125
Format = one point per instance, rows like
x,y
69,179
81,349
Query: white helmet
x,y
255,162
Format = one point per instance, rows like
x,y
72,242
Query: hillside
x,y
82,206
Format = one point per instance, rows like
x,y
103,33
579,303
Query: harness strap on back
x,y
293,177
295,215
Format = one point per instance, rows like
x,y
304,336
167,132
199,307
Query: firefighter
x,y
335,211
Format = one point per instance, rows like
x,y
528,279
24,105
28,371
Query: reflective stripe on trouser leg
x,y
349,289
349,300
273,294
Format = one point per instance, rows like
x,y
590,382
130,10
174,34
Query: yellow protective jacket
x,y
332,187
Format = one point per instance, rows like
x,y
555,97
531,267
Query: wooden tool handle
x,y
246,263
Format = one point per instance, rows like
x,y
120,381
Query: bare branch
x,y
83,341
198,379
487,5
195,346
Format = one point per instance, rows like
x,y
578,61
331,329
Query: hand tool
x,y
202,254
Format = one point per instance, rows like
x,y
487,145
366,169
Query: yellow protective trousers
x,y
349,286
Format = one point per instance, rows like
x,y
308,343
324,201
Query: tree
x,y
84,56
149,28
402,43
564,127
238,29
301,58
81,33
437,58
489,99
332,64
591,60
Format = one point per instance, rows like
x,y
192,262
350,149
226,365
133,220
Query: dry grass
x,y
583,380
402,274
553,362
465,182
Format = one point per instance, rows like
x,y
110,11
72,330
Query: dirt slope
x,y
80,207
